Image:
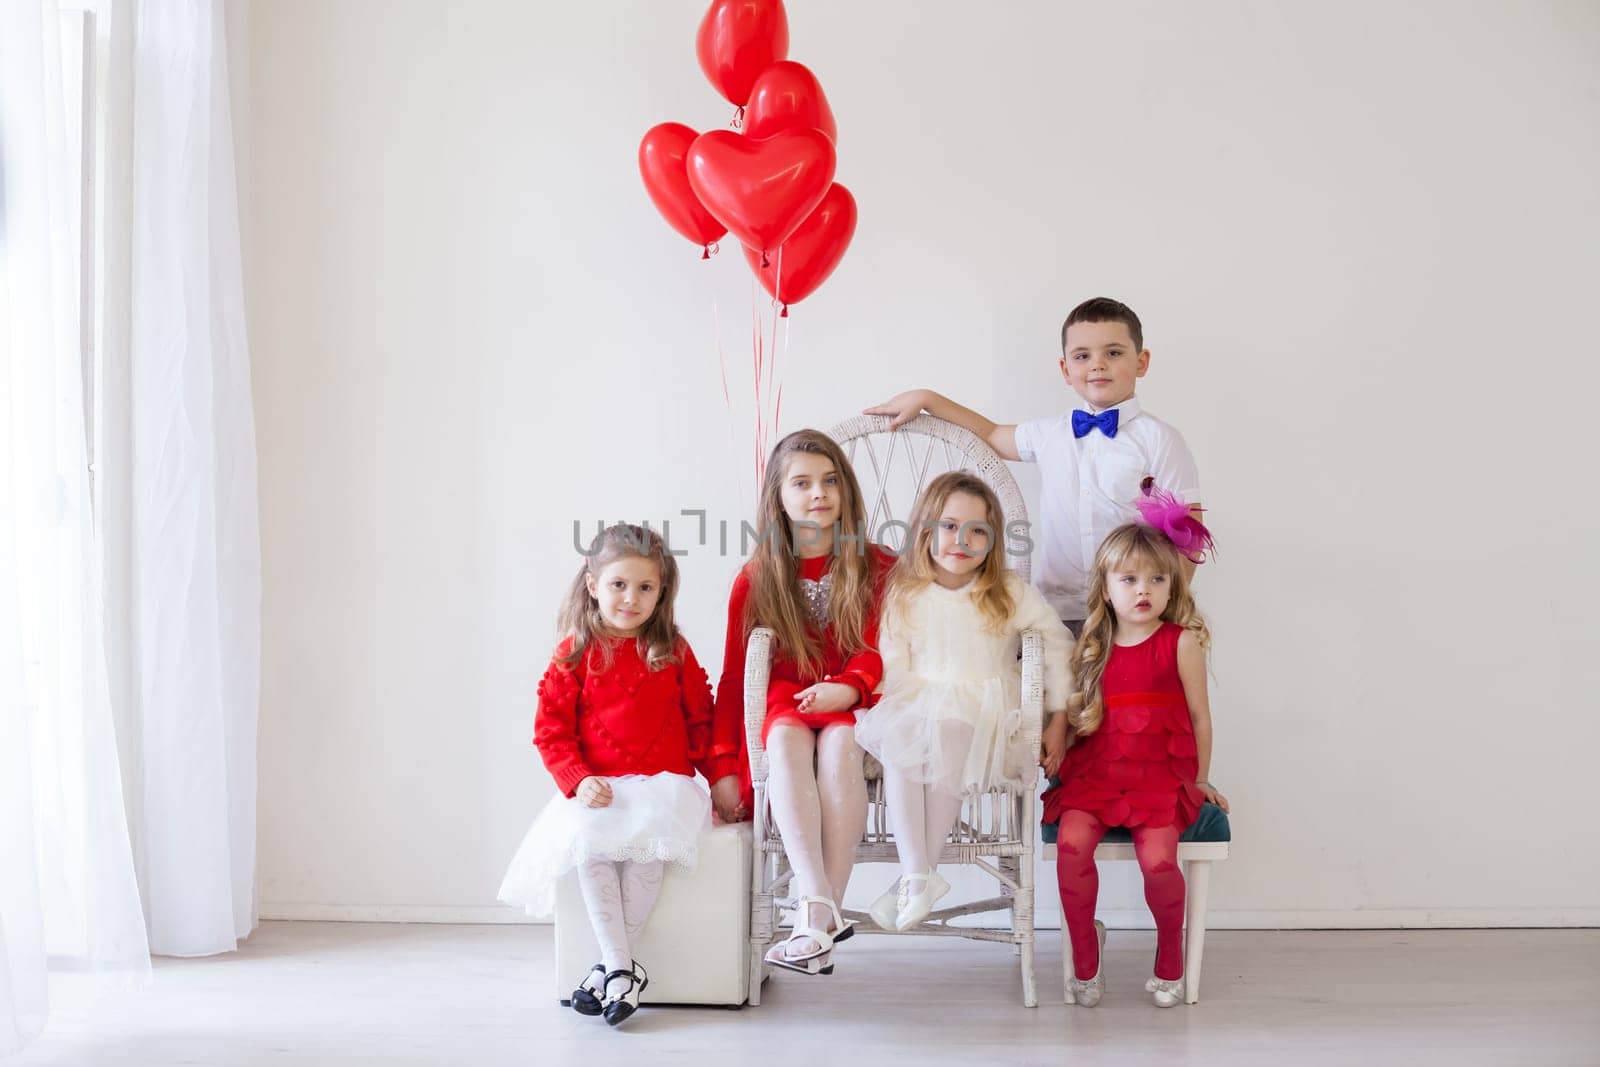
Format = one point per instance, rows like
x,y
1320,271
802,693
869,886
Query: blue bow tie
x,y
1105,422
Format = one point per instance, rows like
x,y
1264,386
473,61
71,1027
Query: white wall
x,y
1365,239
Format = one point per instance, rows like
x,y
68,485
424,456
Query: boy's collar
x,y
1125,410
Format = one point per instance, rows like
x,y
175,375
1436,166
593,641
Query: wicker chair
x,y
998,830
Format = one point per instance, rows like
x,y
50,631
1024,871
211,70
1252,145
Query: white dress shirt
x,y
1090,484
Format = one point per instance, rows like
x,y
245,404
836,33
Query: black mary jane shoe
x,y
586,998
618,1009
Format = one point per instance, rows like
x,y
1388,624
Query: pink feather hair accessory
x,y
1169,513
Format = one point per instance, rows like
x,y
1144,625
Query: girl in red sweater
x,y
623,723
815,581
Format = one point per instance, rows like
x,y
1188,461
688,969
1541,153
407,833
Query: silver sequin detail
x,y
816,594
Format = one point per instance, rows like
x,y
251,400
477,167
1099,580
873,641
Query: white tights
x,y
921,816
818,792
619,896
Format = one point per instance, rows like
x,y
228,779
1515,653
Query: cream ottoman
x,y
696,945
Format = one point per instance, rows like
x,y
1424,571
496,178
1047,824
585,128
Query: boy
x,y
1094,456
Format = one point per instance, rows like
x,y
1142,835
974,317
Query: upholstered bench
x,y
1198,847
696,944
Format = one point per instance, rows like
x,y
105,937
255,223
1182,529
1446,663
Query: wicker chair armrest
x,y
1032,688
757,672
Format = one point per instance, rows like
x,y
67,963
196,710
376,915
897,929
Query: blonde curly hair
x,y
1125,547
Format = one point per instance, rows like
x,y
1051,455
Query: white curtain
x,y
129,631
178,473
67,886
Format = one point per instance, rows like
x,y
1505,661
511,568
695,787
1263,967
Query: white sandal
x,y
813,963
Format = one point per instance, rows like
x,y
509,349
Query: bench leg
x,y
1198,876
757,962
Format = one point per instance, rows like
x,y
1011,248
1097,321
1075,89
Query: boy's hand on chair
x,y
826,696
725,799
1209,791
901,409
594,792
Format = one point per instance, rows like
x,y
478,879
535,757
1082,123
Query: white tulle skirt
x,y
964,737
650,817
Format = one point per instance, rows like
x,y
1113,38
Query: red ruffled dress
x,y
862,670
1139,767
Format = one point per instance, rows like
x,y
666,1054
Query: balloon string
x,y
777,287
772,359
755,365
777,293
738,118
722,356
727,398
777,412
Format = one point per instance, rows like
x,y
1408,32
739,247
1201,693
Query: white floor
x,y
334,993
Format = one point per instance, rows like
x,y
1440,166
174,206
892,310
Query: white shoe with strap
x,y
886,908
622,993
819,961
917,906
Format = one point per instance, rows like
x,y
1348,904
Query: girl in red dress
x,y
1136,739
815,581
623,723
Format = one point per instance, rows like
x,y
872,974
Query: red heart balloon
x,y
761,190
737,40
666,179
787,96
811,252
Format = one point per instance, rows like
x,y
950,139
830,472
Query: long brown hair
x,y
580,612
1127,545
915,569
774,570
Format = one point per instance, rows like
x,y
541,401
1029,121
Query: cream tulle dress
x,y
950,712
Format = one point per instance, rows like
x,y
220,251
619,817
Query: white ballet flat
x,y
1168,992
915,907
886,908
1086,992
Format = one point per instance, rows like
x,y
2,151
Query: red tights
x,y
1157,849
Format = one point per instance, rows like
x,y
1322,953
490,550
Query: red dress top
x,y
862,671
1139,767
626,719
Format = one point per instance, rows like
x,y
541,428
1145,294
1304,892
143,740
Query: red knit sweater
x,y
626,719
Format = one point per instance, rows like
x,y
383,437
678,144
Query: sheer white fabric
x,y
950,712
651,817
129,631
67,886
178,474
